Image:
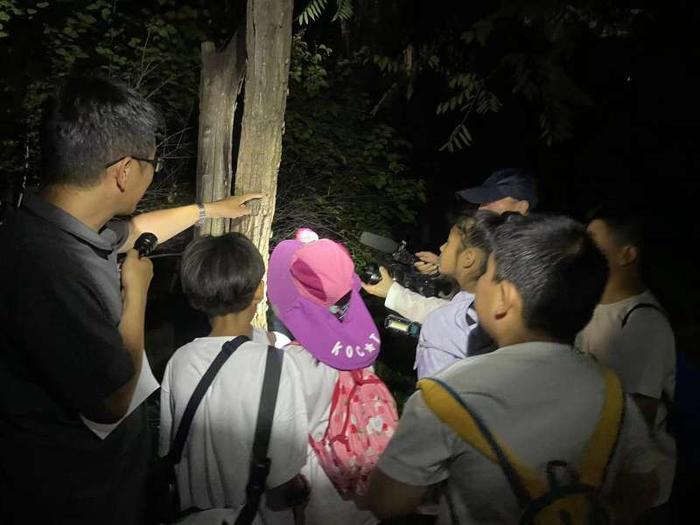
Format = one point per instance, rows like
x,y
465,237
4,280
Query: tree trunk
x,y
221,80
268,45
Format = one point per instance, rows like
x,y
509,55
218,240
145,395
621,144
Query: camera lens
x,y
370,274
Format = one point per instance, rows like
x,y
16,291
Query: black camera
x,y
400,264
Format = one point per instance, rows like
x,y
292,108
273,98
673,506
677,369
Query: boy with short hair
x,y
222,276
535,392
630,332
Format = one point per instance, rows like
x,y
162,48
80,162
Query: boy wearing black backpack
x,y
630,332
533,432
222,277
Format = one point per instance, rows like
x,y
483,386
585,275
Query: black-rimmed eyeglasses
x,y
156,162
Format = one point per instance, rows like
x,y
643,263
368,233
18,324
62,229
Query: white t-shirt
x,y
410,304
216,458
541,399
643,354
325,507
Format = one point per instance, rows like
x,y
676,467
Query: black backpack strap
x,y
479,342
665,396
470,320
639,306
260,463
175,453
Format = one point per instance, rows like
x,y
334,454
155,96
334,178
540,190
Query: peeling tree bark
x,y
268,45
262,54
221,81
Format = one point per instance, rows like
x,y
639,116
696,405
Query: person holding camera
x,y
72,346
451,332
521,429
506,190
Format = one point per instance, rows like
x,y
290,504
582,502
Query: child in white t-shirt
x,y
222,276
630,333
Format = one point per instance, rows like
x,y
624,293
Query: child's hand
x,y
428,263
381,289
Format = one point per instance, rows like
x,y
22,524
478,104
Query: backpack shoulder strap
x,y
268,401
260,463
452,410
603,441
183,429
639,306
666,398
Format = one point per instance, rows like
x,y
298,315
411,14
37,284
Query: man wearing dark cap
x,y
509,189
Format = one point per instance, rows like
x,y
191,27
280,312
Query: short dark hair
x,y
557,269
221,274
90,122
626,223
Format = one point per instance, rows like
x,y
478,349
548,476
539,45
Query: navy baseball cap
x,y
517,183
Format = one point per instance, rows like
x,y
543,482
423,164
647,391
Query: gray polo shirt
x,y
541,399
61,354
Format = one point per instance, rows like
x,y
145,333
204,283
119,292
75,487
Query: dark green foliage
x,y
512,48
314,9
342,172
153,46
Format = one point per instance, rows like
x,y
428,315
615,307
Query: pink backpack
x,y
362,419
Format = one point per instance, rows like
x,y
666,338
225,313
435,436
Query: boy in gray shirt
x,y
534,393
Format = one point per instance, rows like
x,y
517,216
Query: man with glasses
x,y
72,342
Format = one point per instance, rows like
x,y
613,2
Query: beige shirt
x,y
542,399
643,354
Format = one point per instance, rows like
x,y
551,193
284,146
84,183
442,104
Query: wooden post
x,y
268,45
221,80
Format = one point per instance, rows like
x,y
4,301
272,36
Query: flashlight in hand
x,y
145,244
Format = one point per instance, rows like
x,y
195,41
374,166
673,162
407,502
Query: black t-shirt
x,y
61,353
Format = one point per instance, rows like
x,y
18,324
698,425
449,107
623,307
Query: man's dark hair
x,y
220,274
625,223
557,269
90,122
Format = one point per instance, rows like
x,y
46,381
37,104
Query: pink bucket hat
x,y
316,294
